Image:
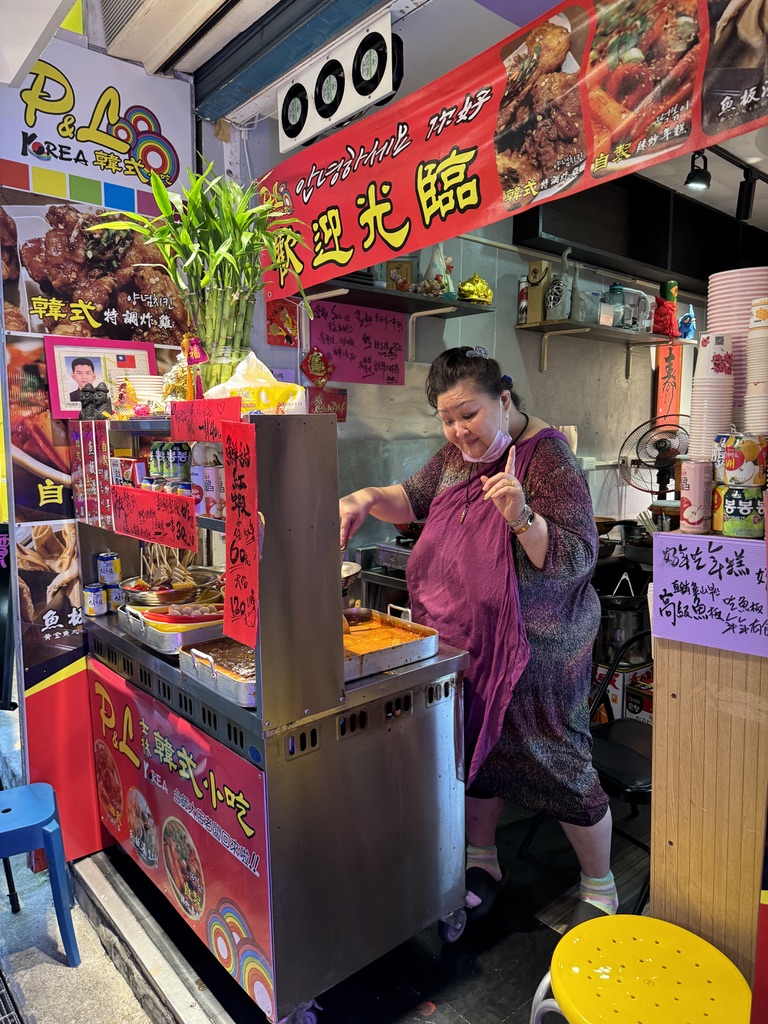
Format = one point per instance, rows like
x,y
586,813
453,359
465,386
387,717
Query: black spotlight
x,y
698,176
746,200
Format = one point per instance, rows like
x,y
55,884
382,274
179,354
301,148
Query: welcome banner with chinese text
x,y
589,92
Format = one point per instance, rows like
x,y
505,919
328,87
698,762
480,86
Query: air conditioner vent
x,y
116,14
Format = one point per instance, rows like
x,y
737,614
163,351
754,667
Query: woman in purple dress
x,y
502,569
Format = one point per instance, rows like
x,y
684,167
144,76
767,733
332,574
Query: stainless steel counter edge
x,y
447,661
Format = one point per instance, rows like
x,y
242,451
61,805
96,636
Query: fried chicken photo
x,y
13,318
539,138
8,247
104,269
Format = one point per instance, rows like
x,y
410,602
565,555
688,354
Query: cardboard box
x,y
638,702
623,677
128,472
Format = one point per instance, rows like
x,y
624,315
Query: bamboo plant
x,y
216,247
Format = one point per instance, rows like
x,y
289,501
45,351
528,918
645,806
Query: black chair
x,y
621,754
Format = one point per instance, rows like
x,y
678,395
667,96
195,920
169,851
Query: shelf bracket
x,y
411,354
628,362
544,344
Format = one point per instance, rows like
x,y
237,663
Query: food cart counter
x,y
308,834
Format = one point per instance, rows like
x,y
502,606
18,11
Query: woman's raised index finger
x,y
510,467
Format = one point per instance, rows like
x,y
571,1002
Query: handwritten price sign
x,y
160,518
241,607
202,420
366,346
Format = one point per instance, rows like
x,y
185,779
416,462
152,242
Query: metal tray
x,y
224,666
133,622
378,642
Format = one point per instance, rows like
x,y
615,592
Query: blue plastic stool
x,y
29,820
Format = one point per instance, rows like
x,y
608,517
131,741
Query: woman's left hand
x,y
505,490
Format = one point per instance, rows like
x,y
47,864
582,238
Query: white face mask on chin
x,y
497,446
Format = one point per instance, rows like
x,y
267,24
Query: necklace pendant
x,y
463,515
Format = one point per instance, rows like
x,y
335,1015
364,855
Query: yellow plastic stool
x,y
639,969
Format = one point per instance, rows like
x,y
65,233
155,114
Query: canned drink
x,y
157,458
172,485
110,568
222,495
743,513
158,483
197,490
718,494
95,599
185,488
718,457
181,460
146,483
695,496
114,598
211,491
745,459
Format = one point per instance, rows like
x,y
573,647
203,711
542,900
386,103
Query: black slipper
x,y
479,882
585,912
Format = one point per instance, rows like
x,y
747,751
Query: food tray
x,y
378,642
223,665
162,640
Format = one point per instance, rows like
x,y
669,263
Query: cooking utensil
x,y
412,530
604,524
155,598
349,573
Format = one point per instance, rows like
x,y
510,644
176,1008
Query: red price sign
x,y
160,518
202,420
241,607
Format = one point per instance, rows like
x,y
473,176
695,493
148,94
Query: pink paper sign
x,y
710,590
366,346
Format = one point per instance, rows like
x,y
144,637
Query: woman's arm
x,y
390,504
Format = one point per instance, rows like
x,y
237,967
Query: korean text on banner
x,y
201,420
547,112
160,518
710,591
241,604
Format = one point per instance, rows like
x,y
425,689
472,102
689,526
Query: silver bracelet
x,y
521,519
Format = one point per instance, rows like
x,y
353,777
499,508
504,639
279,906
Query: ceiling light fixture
x,y
746,198
698,177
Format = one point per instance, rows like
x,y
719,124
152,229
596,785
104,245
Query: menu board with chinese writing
x,y
366,346
201,420
160,518
192,814
711,590
241,600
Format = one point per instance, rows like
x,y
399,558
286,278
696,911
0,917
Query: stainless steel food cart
x,y
363,778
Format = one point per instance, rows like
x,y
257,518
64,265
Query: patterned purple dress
x,y
526,711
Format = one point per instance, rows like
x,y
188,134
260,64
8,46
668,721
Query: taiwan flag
x,y
126,362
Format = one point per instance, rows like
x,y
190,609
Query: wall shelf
x,y
414,306
611,335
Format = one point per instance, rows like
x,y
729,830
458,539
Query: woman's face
x,y
471,418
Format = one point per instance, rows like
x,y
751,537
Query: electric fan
x,y
647,456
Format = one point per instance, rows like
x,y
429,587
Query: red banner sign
x,y
589,91
201,420
160,518
241,603
192,815
324,400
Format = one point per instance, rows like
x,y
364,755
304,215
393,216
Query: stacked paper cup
x,y
729,305
712,394
756,370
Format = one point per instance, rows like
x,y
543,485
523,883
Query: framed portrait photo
x,y
72,362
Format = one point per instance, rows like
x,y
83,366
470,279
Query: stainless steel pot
x,y
349,573
632,532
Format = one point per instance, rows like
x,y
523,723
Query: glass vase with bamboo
x,y
217,246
